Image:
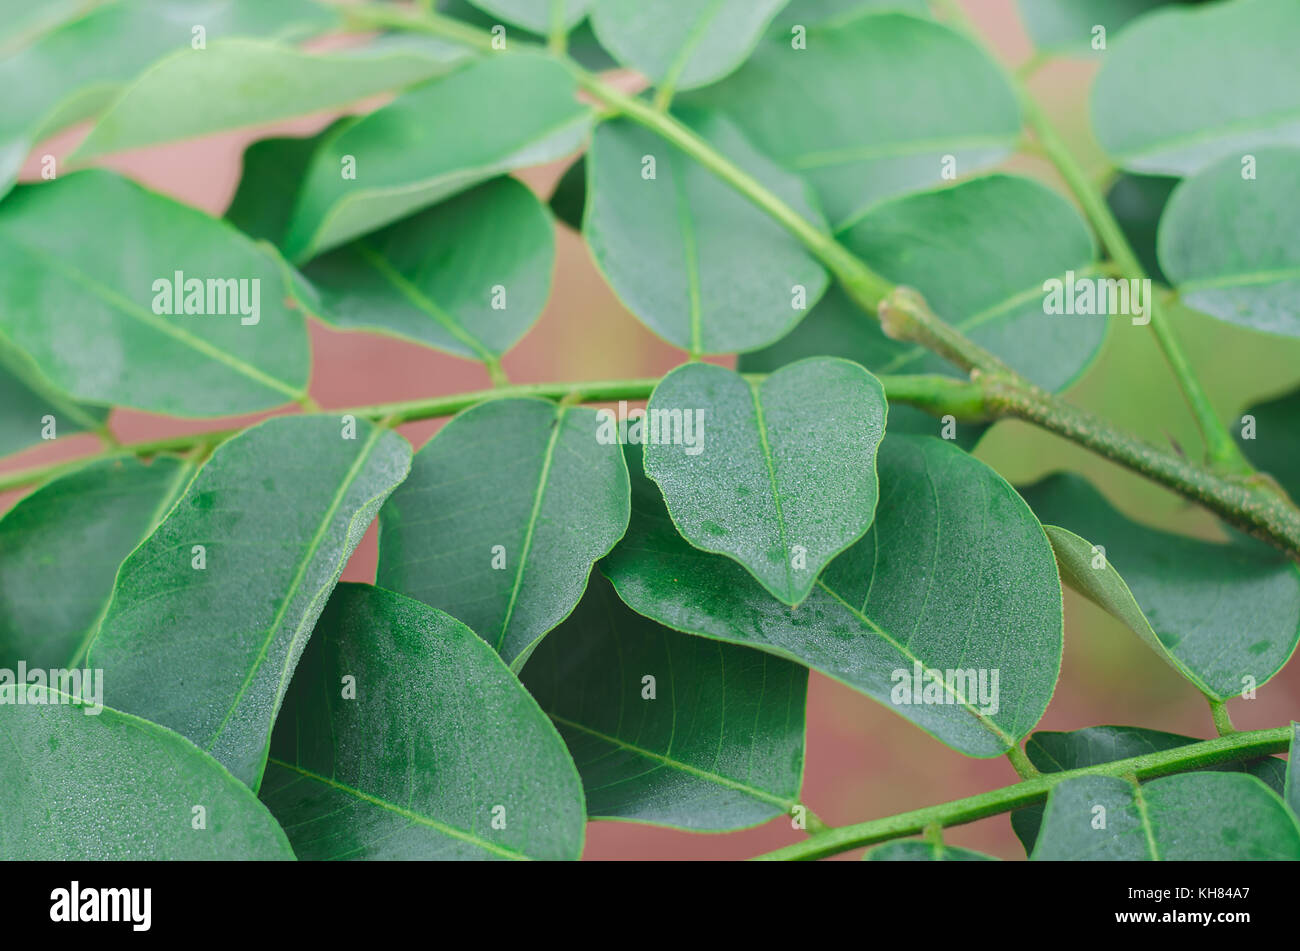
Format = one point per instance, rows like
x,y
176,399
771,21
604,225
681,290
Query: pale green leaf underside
x,y
1226,616
84,312
1053,752
682,44
209,652
1231,245
463,744
435,141
783,476
504,513
234,84
955,573
1186,86
114,787
717,745
819,111
60,548
1201,816
695,261
469,276
1067,26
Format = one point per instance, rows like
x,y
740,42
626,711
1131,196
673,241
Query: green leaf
x,y
60,548
981,252
836,13
570,195
1292,785
463,744
110,786
682,44
1137,202
914,850
1186,86
1274,446
469,276
26,399
406,160
505,512
671,729
771,478
235,84
955,574
84,311
22,22
537,16
698,263
1231,245
1066,26
268,187
204,640
819,110
1201,816
75,70
582,45
1225,616
1057,752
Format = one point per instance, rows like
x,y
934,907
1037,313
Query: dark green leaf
x,y
820,110
682,44
468,276
1092,746
60,548
208,651
1274,443
1201,816
914,850
668,728
1226,616
698,263
780,475
955,575
1292,784
1186,86
504,513
272,171
1137,202
234,84
84,311
1231,244
26,399
570,195
105,786
463,744
406,160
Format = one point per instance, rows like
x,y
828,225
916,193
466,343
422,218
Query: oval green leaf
x,y
779,475
210,614
505,512
450,781
955,576
694,260
667,728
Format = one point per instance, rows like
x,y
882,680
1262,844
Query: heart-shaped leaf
x,y
91,786
1185,86
1231,244
955,576
178,314
681,44
60,548
982,253
1057,752
210,614
1227,617
74,70
468,276
779,474
694,260
404,159
815,106
505,512
26,400
914,850
671,729
449,782
1201,816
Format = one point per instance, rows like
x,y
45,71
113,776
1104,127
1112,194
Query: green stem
x,y
1024,768
938,395
1226,749
1222,721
